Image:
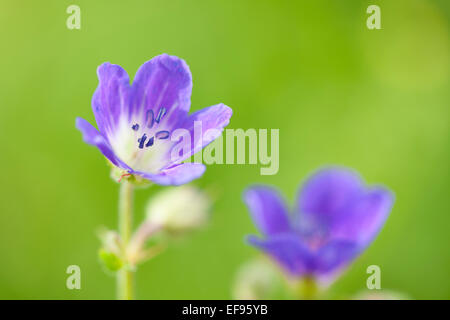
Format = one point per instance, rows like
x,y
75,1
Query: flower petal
x,y
176,175
289,251
268,209
365,218
162,85
110,101
95,138
204,126
326,193
334,256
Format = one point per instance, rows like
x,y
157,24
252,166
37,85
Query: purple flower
x,y
335,219
135,122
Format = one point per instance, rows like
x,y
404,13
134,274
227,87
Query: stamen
x,y
150,119
150,142
162,135
135,127
161,114
142,141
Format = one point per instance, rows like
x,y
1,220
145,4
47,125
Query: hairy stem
x,y
125,277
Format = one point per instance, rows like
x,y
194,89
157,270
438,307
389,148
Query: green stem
x,y
308,289
125,277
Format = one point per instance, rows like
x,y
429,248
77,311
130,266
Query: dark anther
x,y
135,127
150,142
162,135
142,141
161,113
150,119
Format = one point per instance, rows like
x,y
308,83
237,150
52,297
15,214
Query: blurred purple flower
x,y
135,121
335,219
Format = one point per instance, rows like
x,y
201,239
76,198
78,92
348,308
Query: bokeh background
x,y
374,100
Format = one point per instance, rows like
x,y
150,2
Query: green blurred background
x,y
374,100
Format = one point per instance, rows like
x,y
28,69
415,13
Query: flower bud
x,y
381,295
110,253
258,279
179,209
